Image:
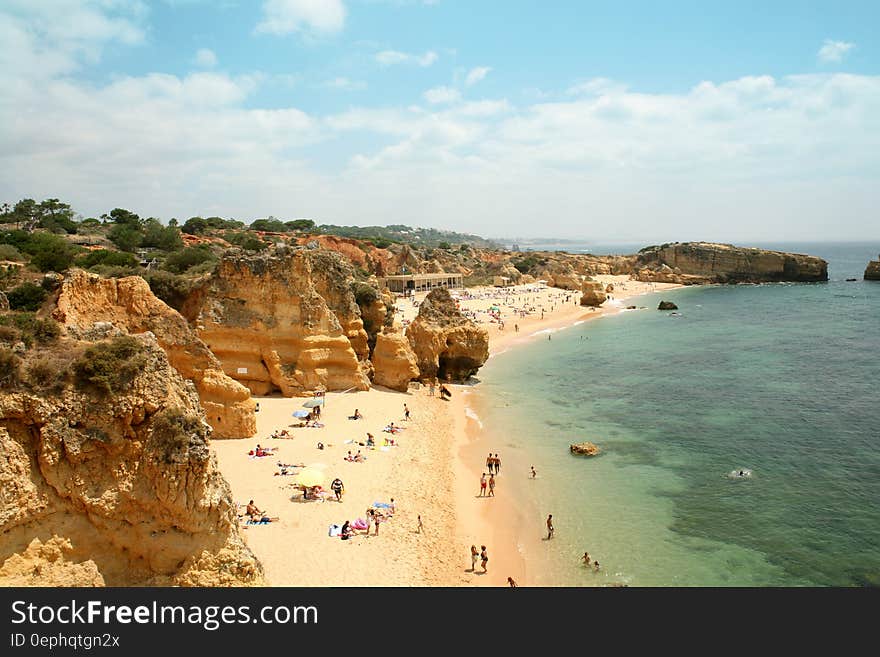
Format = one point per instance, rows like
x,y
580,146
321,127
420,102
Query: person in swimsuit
x,y
512,582
491,485
497,465
586,559
484,557
534,474
474,556
490,463
483,485
550,528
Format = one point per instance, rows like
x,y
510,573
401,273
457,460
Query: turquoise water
x,y
778,379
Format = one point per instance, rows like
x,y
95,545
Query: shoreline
x,y
433,472
510,522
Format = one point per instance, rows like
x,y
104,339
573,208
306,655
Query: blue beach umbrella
x,y
300,414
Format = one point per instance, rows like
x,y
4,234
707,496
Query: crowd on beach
x,y
312,490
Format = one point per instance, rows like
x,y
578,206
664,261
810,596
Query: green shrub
x,y
125,237
27,296
172,289
175,433
107,257
9,334
189,257
50,252
10,368
31,329
364,294
9,252
110,367
47,371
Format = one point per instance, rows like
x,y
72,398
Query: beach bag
x,y
334,530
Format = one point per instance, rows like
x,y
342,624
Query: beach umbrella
x,y
301,414
312,403
310,476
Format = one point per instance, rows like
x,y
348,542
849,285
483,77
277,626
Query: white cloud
x,y
392,57
439,95
476,74
205,58
313,16
344,84
834,51
595,87
750,158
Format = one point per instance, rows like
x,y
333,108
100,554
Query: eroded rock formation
x,y
592,293
704,262
285,319
446,344
394,362
127,303
872,271
116,487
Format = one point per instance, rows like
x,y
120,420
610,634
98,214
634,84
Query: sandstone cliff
x,y
593,293
394,362
107,477
127,303
285,319
872,271
446,344
703,262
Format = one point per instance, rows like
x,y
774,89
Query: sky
x,y
636,122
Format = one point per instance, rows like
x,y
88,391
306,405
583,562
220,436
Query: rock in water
x,y
667,305
872,271
584,449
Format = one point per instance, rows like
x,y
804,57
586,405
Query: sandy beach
x,y
432,471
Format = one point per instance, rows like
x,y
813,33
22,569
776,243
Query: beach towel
x,y
381,505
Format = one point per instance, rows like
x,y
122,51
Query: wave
x,y
469,412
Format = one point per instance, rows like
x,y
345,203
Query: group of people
x,y
487,486
379,512
482,556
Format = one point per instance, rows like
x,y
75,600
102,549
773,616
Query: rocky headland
x,y
872,271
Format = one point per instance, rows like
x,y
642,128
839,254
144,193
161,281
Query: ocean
x,y
777,380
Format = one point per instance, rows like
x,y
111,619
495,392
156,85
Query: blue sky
x,y
632,121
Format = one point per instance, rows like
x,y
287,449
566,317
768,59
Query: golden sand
x,y
433,472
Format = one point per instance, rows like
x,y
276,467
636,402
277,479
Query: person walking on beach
x,y
491,485
550,529
376,522
587,559
337,487
405,412
483,485
596,566
511,582
420,524
497,465
484,557
534,474
490,462
474,557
